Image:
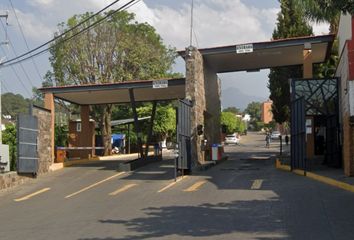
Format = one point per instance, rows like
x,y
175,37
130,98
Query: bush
x,y
9,138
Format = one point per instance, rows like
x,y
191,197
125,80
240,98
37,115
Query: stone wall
x,y
195,92
44,139
12,179
213,105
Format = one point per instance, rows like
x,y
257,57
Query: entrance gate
x,y
316,99
184,134
298,134
27,155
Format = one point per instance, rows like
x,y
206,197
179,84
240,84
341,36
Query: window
x,y
78,127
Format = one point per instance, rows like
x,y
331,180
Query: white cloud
x,y
32,28
216,22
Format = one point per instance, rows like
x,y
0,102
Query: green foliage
x,y
165,119
232,123
234,110
117,50
229,120
290,23
325,10
61,135
254,109
9,138
13,104
258,126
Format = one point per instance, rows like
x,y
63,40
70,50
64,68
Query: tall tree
x,y
325,10
13,104
254,109
290,23
234,110
117,50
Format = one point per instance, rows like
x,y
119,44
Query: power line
x,y
14,51
62,34
24,38
16,74
124,7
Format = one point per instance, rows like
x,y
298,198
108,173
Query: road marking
x,y
94,185
171,184
122,189
257,184
31,195
195,186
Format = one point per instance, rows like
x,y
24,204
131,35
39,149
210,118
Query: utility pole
x,y
6,15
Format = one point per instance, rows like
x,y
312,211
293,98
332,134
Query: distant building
x,y
266,112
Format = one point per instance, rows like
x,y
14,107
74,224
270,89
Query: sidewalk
x,y
331,176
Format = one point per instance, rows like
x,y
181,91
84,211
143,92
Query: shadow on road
x,y
205,220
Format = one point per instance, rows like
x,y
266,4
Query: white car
x,y
232,139
275,135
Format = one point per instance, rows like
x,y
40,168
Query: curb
x,y
314,176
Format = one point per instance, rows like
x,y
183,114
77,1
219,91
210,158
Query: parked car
x,y
232,139
275,135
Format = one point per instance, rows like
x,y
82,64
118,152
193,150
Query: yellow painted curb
x,y
331,181
319,178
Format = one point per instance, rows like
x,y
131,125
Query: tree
x,y
13,104
290,23
325,10
117,50
164,122
228,119
9,138
254,109
234,110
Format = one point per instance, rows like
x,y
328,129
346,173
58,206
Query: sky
x,y
216,23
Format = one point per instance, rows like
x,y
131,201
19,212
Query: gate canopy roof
x,y
261,55
95,94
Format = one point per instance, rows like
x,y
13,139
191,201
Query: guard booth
x,y
315,130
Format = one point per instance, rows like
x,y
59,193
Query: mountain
x,y
233,97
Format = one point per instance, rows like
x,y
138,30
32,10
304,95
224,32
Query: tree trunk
x,y
106,129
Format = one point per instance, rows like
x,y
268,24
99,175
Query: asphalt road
x,y
242,198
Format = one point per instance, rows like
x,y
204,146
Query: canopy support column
x,y
153,113
136,122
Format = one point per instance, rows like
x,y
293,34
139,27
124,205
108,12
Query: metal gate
x,y
27,155
298,134
184,134
332,153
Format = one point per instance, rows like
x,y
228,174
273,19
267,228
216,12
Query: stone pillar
x,y
195,91
49,104
45,136
213,105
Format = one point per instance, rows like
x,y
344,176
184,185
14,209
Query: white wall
x,y
345,30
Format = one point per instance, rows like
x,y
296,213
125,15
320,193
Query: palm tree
x,y
325,10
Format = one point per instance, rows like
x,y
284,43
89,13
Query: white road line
x,y
94,185
171,184
31,195
122,189
195,186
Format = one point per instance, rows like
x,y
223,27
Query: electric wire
x,y
14,51
62,34
124,7
16,74
24,38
